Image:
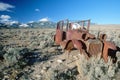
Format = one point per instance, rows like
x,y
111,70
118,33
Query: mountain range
x,y
32,24
38,24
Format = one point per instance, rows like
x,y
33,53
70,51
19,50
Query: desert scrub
x,y
18,55
1,51
96,69
33,37
69,74
34,44
17,59
46,40
43,44
1,47
12,56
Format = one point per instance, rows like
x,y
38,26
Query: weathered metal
x,y
82,40
109,48
94,47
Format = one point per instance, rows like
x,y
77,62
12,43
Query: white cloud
x,y
37,10
44,19
4,18
6,7
7,20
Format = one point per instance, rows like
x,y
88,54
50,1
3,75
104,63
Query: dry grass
x,y
47,67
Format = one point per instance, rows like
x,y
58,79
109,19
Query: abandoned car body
x,y
80,38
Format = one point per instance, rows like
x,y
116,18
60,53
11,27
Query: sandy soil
x,y
58,61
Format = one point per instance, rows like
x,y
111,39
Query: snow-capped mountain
x,y
31,24
42,24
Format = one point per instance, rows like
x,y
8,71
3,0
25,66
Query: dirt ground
x,y
52,63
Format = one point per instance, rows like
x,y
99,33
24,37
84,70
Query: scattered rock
x,y
52,49
37,76
59,61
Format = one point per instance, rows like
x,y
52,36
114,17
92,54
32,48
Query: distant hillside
x,y
33,24
40,24
10,25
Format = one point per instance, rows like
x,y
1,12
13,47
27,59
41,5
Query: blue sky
x,y
99,11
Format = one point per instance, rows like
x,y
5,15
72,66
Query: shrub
x,y
12,55
69,74
96,69
1,47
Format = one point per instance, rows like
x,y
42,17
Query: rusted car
x,y
80,38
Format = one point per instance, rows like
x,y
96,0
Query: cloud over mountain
x,y
6,7
44,19
23,25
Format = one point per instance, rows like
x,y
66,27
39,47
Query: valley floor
x,y
31,54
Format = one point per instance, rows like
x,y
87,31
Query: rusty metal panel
x,y
74,34
59,33
67,45
94,46
58,36
63,44
108,45
102,37
79,35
